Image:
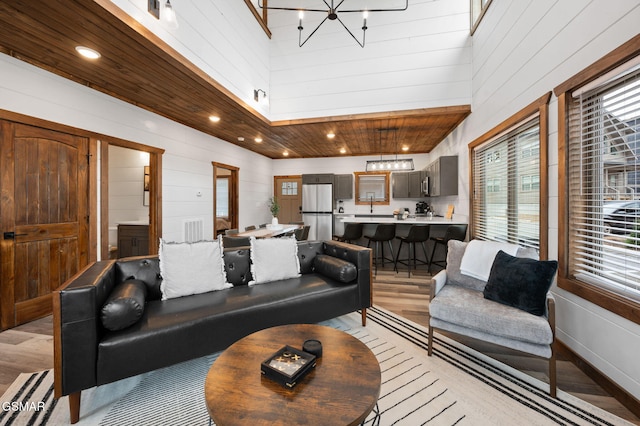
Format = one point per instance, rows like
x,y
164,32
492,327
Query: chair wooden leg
x,y
364,316
553,385
74,407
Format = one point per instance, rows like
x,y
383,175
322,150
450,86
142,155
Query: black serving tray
x,y
288,365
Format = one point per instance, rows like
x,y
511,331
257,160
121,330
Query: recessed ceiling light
x,y
343,151
88,52
258,140
331,135
214,118
240,139
286,153
405,148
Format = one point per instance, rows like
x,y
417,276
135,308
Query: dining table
x,y
269,231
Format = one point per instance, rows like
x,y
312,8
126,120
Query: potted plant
x,y
274,208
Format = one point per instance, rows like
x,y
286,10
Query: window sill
x,y
613,302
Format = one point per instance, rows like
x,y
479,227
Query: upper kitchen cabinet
x,y
443,176
343,187
317,178
409,184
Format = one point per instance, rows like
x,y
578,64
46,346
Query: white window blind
x,y
506,187
604,185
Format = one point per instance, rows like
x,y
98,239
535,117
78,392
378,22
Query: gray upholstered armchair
x,y
458,305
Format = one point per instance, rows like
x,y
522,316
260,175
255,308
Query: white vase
x,y
274,221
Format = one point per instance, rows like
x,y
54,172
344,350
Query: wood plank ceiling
x,y
139,68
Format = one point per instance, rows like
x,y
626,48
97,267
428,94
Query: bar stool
x,y
384,232
352,232
453,232
417,234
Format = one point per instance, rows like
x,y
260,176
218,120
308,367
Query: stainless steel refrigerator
x,y
317,210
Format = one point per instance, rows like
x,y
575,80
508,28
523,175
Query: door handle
x,y
12,235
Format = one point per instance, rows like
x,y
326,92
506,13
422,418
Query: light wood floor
x,y
409,297
29,347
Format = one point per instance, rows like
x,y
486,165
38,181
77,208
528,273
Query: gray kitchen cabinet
x,y
317,178
408,184
343,187
443,176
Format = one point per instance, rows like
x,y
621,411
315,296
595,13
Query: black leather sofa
x,y
171,331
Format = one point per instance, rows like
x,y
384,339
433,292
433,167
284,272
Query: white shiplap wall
x,y
222,38
522,50
187,160
418,58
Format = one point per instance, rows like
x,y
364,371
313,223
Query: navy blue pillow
x,y
520,282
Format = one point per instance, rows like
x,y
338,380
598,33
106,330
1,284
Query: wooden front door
x,y
288,190
44,217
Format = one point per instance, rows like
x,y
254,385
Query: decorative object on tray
x,y
313,346
288,365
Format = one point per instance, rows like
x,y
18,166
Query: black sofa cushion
x,y
146,270
520,282
338,269
125,305
171,327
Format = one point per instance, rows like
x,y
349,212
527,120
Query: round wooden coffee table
x,y
342,389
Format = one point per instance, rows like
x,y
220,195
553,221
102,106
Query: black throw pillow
x,y
124,306
520,282
337,269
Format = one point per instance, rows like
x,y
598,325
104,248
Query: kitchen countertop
x,y
409,220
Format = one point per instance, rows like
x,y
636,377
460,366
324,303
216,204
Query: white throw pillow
x,y
191,268
274,259
479,255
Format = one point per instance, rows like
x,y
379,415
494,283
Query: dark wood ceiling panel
x,y
139,68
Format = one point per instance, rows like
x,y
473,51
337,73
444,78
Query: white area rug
x,y
456,386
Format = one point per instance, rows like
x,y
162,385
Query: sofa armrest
x,y
76,326
438,281
359,256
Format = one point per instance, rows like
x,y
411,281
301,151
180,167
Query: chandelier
x,y
332,15
403,164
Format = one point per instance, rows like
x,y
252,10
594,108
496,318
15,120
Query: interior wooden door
x,y
44,217
288,190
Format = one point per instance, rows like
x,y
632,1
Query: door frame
x,y
155,191
234,192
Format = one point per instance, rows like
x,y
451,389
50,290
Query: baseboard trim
x,y
624,397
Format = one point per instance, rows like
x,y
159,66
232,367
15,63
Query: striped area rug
x,y
456,386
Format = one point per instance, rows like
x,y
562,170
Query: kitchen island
x,y
411,220
437,227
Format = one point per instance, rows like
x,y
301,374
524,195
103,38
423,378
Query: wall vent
x,y
193,230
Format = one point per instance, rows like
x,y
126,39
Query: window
x,y
372,188
509,212
603,185
598,153
478,9
289,188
